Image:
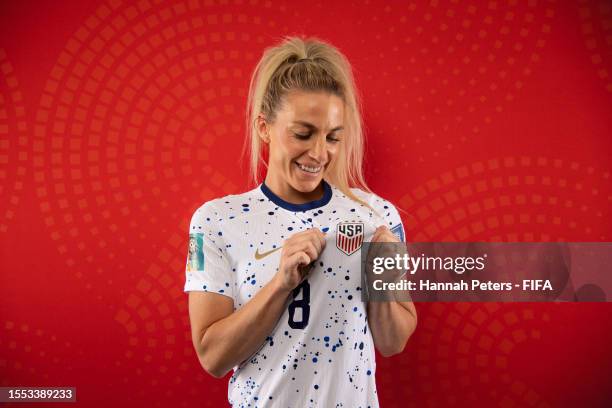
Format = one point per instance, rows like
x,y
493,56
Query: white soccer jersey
x,y
321,352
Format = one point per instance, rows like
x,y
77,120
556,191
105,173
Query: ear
x,y
263,129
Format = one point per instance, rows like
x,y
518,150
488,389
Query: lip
x,y
306,173
310,165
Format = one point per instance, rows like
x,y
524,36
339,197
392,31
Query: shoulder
x,y
229,206
384,209
374,200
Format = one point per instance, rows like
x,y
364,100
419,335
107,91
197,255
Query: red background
x,y
487,120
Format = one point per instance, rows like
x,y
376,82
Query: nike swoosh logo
x,y
260,255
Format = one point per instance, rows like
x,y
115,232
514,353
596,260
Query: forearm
x,y
231,340
391,323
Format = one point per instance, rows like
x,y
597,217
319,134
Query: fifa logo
x,y
195,259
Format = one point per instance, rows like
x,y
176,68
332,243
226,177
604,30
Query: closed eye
x,y
305,136
302,136
333,135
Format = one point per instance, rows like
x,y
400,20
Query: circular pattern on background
x,y
462,350
469,337
14,155
535,196
456,67
25,344
134,106
508,199
149,317
132,109
596,24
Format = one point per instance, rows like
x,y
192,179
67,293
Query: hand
x,y
383,234
297,257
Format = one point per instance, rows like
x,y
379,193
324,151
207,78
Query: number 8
x,y
303,303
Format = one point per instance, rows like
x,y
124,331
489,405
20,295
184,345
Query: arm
x,y
223,338
391,322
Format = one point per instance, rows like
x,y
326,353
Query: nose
x,y
318,150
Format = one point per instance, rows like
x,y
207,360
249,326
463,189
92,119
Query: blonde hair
x,y
310,65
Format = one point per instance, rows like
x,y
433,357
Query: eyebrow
x,y
313,127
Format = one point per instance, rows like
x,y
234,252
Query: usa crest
x,y
349,237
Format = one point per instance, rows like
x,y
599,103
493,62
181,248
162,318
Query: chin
x,y
306,186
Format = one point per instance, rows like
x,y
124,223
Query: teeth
x,y
309,169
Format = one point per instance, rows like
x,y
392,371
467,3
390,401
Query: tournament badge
x,y
349,236
398,231
195,261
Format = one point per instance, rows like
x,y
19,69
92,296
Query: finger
x,y
311,249
319,236
389,236
376,236
314,239
297,241
384,234
299,235
308,232
297,259
304,269
320,231
319,242
303,249
322,236
322,240
288,248
383,229
302,235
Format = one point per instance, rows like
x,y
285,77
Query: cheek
x,y
285,152
292,150
334,150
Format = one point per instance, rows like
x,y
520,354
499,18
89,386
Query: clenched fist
x,y
298,254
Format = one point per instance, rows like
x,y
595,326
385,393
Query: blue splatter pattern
x,y
320,357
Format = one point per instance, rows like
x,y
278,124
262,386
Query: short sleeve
x,y
390,215
208,268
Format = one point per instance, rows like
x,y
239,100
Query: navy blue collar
x,y
327,195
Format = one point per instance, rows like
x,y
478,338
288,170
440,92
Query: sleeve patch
x,y
195,260
398,231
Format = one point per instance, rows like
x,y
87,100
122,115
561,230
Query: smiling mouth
x,y
309,169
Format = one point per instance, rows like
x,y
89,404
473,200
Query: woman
x,y
274,281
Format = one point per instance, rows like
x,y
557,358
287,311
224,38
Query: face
x,y
305,137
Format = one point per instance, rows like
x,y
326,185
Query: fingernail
x,y
325,229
